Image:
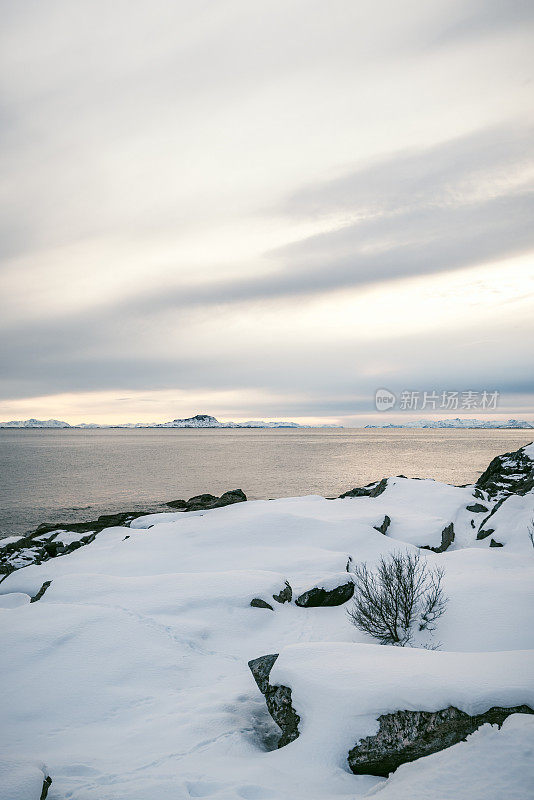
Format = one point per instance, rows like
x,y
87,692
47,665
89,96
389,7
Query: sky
x,y
266,210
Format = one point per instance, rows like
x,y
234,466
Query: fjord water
x,y
75,475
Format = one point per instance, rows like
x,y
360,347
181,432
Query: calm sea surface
x,y
73,475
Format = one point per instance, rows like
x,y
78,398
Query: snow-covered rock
x,y
492,764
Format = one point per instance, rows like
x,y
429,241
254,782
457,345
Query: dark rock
x,y
511,473
51,548
407,735
384,526
493,543
371,490
477,508
201,502
326,597
285,596
257,602
180,504
41,592
484,534
47,783
447,538
204,502
277,698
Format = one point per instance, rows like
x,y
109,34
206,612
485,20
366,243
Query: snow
x,y
13,600
21,779
129,676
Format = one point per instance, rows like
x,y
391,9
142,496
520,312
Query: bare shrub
x,y
402,594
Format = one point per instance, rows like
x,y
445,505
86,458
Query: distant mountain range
x,y
198,421
207,421
458,423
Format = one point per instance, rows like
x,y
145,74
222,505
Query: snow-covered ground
x,y
129,678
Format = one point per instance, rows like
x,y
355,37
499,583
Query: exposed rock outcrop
x,y
407,735
447,538
257,602
285,596
383,527
477,508
203,502
371,490
511,473
278,698
318,596
41,592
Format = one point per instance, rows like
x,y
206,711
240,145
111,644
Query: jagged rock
x,y
326,597
285,596
447,538
277,698
261,669
477,508
493,543
484,534
204,502
257,602
384,525
510,473
407,735
41,592
371,490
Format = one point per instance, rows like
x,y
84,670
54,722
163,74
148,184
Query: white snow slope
x,y
129,677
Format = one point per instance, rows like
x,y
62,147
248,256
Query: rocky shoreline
x,y
48,540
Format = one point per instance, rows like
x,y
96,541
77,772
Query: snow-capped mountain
x,y
198,421
35,423
458,423
206,421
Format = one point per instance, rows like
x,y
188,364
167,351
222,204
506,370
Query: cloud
x,y
376,146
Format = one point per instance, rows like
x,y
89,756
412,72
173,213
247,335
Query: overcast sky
x,y
264,209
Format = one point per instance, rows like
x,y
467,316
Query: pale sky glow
x,y
264,210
